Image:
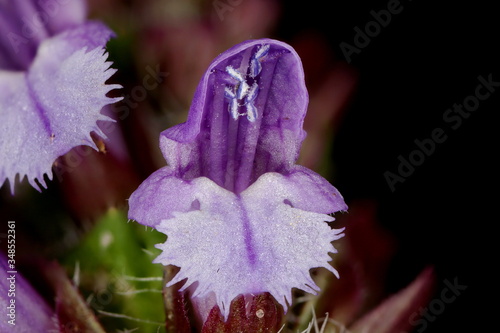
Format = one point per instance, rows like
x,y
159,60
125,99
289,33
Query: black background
x,y
424,61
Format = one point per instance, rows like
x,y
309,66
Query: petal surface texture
x,y
248,243
55,104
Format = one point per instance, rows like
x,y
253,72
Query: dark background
x,y
426,59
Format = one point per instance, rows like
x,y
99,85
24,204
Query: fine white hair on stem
x,y
138,291
134,278
234,74
313,326
76,274
119,315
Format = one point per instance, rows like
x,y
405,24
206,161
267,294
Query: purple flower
x,y
240,216
24,310
52,84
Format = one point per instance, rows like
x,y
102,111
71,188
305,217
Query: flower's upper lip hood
x,y
195,117
237,147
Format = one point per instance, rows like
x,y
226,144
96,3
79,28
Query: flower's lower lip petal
x,y
159,197
309,191
21,131
248,243
289,241
51,108
90,35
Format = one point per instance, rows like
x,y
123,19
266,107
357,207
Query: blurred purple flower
x,y
240,216
53,70
25,310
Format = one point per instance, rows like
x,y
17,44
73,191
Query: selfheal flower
x,y
52,85
240,216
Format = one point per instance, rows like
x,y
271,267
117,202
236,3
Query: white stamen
x,y
234,74
242,90
233,108
228,93
251,112
252,93
255,66
262,51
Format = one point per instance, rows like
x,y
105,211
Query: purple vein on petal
x,y
41,112
216,140
248,237
252,131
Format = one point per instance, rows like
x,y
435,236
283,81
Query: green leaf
x,y
114,270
